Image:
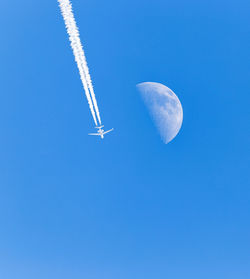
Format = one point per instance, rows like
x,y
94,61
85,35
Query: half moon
x,y
164,107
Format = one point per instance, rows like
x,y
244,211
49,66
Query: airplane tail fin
x,y
99,127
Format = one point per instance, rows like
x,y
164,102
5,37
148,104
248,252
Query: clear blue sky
x,y
73,206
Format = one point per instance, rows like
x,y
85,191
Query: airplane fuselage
x,y
101,133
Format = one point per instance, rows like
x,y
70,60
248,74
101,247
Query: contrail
x,y
74,37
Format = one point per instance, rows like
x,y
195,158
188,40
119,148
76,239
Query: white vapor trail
x,y
74,37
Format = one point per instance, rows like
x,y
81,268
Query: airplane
x,y
100,132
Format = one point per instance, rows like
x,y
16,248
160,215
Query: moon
x,y
165,108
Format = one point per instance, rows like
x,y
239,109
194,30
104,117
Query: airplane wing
x,y
93,134
108,131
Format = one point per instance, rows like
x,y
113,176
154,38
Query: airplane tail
x,y
99,127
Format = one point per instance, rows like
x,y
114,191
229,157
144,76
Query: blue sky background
x,y
72,206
